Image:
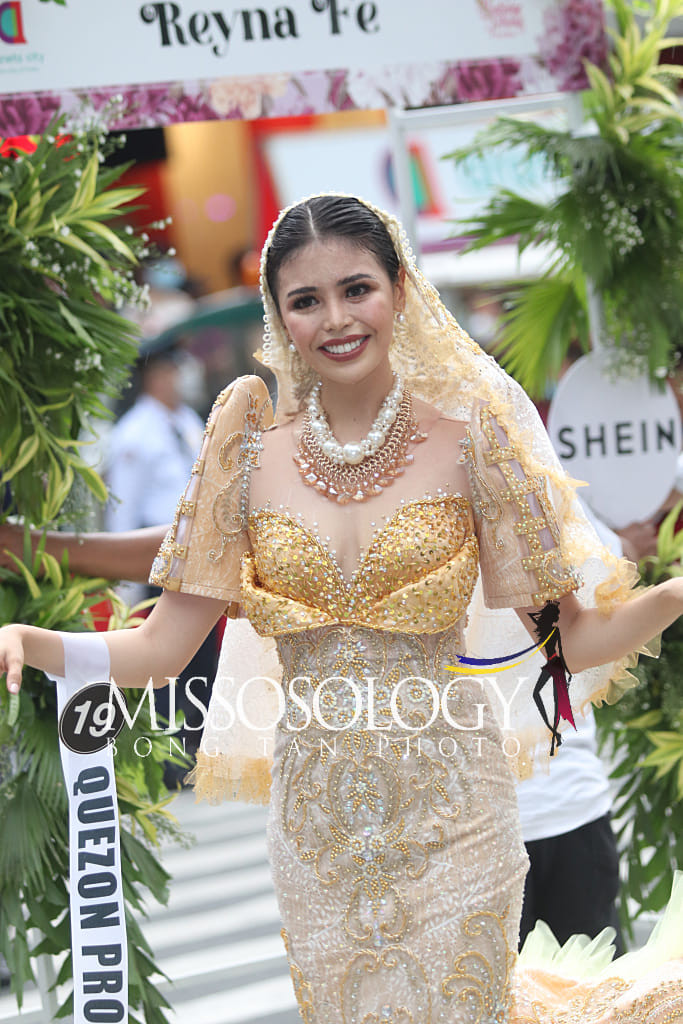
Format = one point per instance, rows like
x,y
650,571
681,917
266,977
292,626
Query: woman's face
x,y
337,303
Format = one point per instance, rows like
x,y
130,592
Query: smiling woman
x,y
346,313
404,487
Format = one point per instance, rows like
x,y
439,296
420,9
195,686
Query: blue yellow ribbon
x,y
502,663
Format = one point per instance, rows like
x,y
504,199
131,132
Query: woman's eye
x,y
355,290
303,302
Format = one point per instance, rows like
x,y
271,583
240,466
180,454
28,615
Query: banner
x,y
177,60
87,722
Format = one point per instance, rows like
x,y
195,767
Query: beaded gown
x,y
393,832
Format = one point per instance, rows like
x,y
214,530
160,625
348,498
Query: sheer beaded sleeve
x,y
534,547
520,547
202,550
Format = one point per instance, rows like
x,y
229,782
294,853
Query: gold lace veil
x,y
442,365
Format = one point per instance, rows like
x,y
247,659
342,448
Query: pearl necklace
x,y
362,469
354,452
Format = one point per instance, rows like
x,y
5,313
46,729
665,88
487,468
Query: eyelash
x,y
354,291
303,302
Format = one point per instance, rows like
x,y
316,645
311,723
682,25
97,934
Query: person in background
x,y
151,452
152,446
573,878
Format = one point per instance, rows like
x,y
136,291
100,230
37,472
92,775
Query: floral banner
x,y
159,63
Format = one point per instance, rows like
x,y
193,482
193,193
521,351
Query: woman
x,y
402,462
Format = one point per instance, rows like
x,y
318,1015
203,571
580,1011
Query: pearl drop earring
x,y
292,347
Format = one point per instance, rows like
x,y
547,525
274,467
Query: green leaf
x,y
75,323
645,721
543,320
507,216
13,712
74,242
93,481
31,583
53,406
87,188
651,83
27,451
52,570
19,964
110,237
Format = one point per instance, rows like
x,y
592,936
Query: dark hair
x,y
329,217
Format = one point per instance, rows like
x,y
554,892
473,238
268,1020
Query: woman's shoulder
x,y
244,405
249,384
431,419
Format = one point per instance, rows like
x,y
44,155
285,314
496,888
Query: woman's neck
x,y
352,408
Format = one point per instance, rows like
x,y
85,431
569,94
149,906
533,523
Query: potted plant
x,y
616,220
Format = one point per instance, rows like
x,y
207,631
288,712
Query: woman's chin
x,y
367,363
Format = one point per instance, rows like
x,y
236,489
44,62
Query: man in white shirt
x,y
573,880
152,449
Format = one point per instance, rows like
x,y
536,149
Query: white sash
x,y
98,923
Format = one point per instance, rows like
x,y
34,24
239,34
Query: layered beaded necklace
x,y
361,469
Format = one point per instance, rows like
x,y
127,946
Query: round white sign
x,y
623,437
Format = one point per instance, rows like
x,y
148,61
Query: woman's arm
x,y
589,637
159,649
115,556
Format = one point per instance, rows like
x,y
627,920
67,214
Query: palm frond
x,y
508,215
542,320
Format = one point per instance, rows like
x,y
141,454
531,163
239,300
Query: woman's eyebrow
x,y
307,288
301,291
356,277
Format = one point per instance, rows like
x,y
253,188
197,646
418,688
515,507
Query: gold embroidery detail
x,y
531,526
553,581
291,582
302,990
380,836
229,508
481,982
161,565
238,454
483,507
224,459
502,453
380,972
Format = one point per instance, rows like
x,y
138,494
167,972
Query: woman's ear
x,y
400,291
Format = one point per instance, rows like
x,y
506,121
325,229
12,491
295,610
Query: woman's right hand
x,y
12,655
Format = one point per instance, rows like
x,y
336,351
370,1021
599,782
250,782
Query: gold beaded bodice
x,y
417,575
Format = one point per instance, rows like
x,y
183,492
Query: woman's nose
x,y
337,315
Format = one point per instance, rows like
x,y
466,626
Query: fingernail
x,y
13,688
